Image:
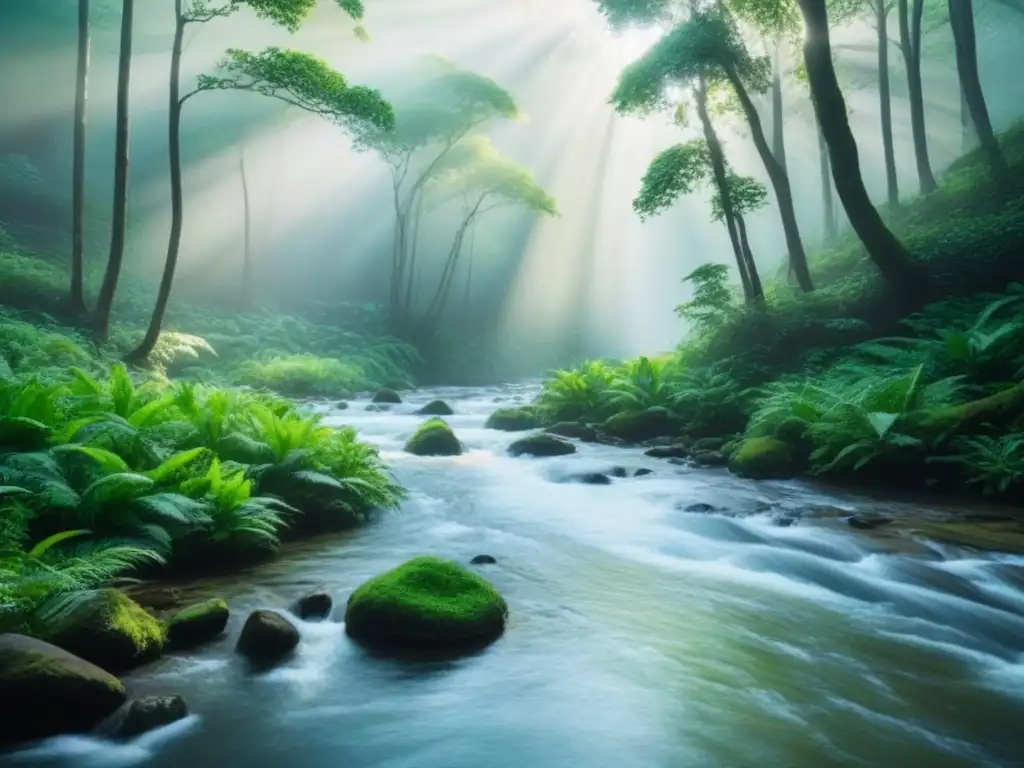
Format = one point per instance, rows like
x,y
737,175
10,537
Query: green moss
x,y
434,438
987,536
514,419
198,623
436,408
114,632
426,602
644,425
763,458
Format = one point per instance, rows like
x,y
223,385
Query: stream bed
x,y
640,635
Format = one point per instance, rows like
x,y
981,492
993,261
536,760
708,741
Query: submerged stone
x,y
197,624
572,429
387,396
46,691
674,451
541,445
763,458
436,408
513,419
151,712
434,438
867,522
267,637
114,632
483,560
590,478
426,602
710,459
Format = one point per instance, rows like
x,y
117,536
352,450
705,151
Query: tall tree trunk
x,y
122,136
411,266
831,226
885,98
77,296
961,20
888,254
722,183
748,257
968,136
778,125
910,46
141,352
248,282
780,183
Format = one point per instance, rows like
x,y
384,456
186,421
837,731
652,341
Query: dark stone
x,y
700,506
637,427
643,471
267,637
513,419
710,459
590,478
46,691
574,430
867,522
708,444
678,462
198,624
541,445
661,442
618,472
436,408
151,712
385,395
113,632
378,408
315,605
676,451
341,405
783,521
483,560
606,439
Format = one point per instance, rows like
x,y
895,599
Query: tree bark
x,y
780,183
778,125
748,257
141,352
887,253
968,136
122,150
77,296
961,20
247,268
721,182
910,46
831,227
885,98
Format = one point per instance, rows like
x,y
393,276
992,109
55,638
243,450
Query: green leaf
x,y
49,542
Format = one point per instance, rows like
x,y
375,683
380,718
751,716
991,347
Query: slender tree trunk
x,y
885,97
888,254
910,45
411,268
831,225
247,266
961,20
122,149
77,296
140,353
748,257
436,309
968,136
721,182
780,183
778,125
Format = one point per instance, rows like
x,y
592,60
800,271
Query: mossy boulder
x,y
763,458
267,637
151,712
385,396
114,632
642,425
436,408
573,429
513,419
198,624
46,691
676,451
434,438
710,459
708,444
541,445
426,603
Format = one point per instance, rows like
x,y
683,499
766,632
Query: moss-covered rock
x,y
426,602
763,458
677,451
46,691
513,419
643,425
387,397
575,430
708,444
436,408
267,637
114,632
434,438
197,624
710,458
541,445
151,712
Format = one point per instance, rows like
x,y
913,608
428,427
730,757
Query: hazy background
x,y
594,281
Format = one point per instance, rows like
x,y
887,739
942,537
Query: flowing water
x,y
640,635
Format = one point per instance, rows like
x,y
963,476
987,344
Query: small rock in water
x,y
541,445
675,451
436,408
618,472
710,459
783,521
377,408
643,471
198,624
267,637
867,522
483,560
315,605
590,478
151,712
700,506
341,405
385,395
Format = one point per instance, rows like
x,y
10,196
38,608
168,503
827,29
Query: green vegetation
x,y
434,438
426,602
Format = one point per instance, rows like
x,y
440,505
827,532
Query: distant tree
x,y
281,72
443,113
712,300
77,295
910,14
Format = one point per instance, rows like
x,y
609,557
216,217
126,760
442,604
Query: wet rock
x,y
642,472
436,408
571,429
483,560
151,712
314,606
434,438
674,451
341,405
153,597
378,408
661,442
783,521
113,632
603,438
590,478
426,603
198,624
267,637
46,691
867,522
618,472
700,507
710,459
389,396
637,427
541,445
708,444
513,419
763,458
679,462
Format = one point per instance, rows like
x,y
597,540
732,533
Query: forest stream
x,y
640,635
